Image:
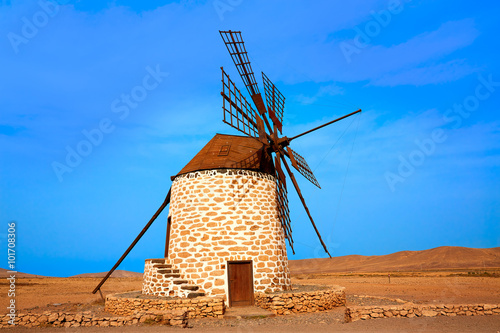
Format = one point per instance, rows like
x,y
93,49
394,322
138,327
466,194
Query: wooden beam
x,y
294,181
164,204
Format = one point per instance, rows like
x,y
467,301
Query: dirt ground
x,y
74,294
420,287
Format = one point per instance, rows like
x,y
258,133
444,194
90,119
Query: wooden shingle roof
x,y
231,152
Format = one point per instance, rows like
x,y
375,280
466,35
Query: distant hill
x,y
4,274
445,257
118,274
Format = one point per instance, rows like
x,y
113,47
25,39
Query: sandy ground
x,y
74,294
429,287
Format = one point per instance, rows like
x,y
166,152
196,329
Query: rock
x,y
429,313
178,322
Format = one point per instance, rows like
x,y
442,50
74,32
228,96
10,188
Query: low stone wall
x,y
306,301
87,319
411,310
198,307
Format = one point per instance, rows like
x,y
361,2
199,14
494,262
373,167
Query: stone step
x,y
180,281
168,271
157,261
162,265
175,276
189,287
195,294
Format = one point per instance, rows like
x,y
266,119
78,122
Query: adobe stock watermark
x,y
11,272
223,6
371,29
319,250
30,27
453,116
121,108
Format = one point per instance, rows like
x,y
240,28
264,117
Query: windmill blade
x,y
299,163
328,123
238,113
282,202
294,181
275,102
236,47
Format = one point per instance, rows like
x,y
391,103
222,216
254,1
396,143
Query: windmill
x,y
229,218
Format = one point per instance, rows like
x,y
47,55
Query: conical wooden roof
x,y
231,152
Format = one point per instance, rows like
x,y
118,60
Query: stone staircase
x,y
162,279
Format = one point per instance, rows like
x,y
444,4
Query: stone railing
x,y
198,307
87,319
306,301
410,310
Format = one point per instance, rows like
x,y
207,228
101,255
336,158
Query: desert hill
x,y
4,274
118,274
445,257
440,258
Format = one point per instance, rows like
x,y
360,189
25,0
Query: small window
x,y
224,150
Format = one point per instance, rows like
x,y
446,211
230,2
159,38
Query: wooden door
x,y
240,277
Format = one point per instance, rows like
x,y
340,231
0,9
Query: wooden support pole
x,y
164,204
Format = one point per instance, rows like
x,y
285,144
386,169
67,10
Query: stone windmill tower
x,y
228,219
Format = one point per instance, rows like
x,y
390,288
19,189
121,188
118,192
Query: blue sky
x,y
133,88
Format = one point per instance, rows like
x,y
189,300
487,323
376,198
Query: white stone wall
x,y
227,215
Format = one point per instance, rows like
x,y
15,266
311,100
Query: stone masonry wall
x,y
227,215
199,307
411,310
87,319
310,301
